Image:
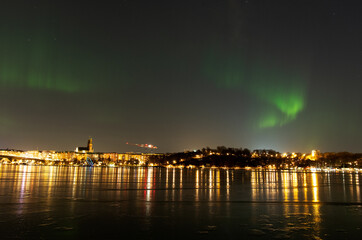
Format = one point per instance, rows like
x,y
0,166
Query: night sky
x,y
181,75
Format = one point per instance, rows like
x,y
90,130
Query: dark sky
x,y
285,75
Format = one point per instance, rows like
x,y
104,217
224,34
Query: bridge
x,y
25,159
10,156
7,158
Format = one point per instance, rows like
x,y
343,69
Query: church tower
x,y
90,145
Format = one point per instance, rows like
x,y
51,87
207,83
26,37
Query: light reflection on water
x,y
260,203
207,184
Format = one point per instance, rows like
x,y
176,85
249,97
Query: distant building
x,y
87,149
315,155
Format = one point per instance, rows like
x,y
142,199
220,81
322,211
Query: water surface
x,y
53,202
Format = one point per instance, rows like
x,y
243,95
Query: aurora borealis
x,y
181,75
283,92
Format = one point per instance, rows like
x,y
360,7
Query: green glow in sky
x,y
281,90
36,80
269,120
40,63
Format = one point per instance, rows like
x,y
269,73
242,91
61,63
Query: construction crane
x,y
146,145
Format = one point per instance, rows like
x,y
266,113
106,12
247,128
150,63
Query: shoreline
x,y
295,169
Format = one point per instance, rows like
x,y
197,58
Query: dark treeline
x,y
243,157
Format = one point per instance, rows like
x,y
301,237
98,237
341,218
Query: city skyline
x,y
181,75
140,149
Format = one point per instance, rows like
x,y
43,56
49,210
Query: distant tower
x,y
90,145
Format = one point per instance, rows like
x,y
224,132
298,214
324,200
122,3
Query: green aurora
x,y
39,62
282,91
